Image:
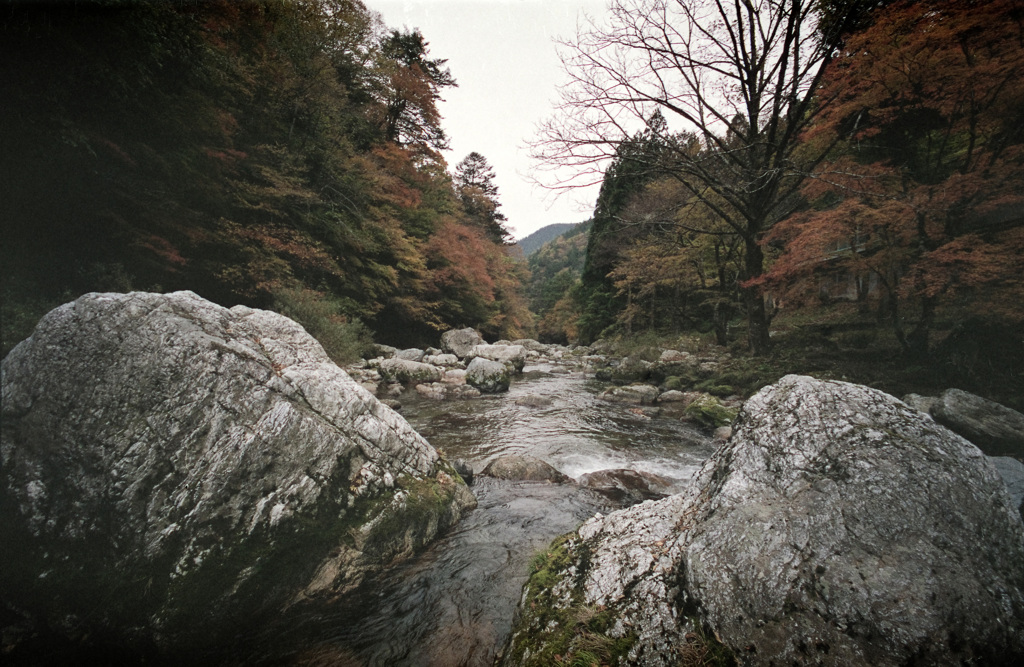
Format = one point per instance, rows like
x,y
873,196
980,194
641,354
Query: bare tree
x,y
739,75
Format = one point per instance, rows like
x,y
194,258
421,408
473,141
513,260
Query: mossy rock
x,y
673,383
708,411
631,371
552,630
715,388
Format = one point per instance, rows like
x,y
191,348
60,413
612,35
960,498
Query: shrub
x,y
345,340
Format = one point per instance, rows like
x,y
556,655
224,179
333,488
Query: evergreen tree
x,y
637,163
475,188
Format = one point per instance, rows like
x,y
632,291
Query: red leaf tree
x,y
925,199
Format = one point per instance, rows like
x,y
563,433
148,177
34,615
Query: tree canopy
x,y
740,81
923,195
282,154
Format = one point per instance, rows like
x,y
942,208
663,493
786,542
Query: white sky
x,y
502,54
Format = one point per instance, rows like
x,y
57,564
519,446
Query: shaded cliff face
x,y
173,472
838,526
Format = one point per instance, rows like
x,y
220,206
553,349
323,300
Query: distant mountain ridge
x,y
534,241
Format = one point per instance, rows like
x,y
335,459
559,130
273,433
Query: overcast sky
x,y
502,54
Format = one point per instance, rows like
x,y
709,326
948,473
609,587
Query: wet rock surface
x,y
513,356
490,377
522,468
836,527
173,472
627,487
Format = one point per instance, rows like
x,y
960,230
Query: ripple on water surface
x,y
453,605
576,433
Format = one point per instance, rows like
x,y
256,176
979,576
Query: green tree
x,y
411,90
476,190
742,77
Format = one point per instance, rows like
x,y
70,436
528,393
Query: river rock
x,y
172,473
449,360
440,391
630,370
673,356
995,428
460,341
408,372
919,402
454,376
522,468
709,412
435,391
675,396
535,401
490,377
627,487
533,345
1012,472
638,394
384,351
410,354
838,526
512,355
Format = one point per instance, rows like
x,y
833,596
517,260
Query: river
x,y
454,604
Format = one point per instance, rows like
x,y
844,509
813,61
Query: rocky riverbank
x,y
174,473
838,526
466,367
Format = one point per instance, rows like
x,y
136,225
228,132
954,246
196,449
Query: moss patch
x,y
552,632
707,411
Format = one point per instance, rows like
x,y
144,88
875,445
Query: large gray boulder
x,y
511,355
405,371
460,341
838,526
995,428
411,354
173,472
490,377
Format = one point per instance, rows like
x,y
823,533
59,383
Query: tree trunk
x,y
753,300
917,340
722,315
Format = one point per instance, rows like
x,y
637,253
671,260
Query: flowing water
x,y
454,604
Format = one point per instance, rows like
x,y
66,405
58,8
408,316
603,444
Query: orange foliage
x,y
928,191
459,255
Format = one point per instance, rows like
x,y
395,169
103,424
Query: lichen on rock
x,y
197,469
837,526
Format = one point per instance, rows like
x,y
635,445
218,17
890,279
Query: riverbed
x,y
454,604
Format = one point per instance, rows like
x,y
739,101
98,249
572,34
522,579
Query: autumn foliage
x,y
922,202
269,153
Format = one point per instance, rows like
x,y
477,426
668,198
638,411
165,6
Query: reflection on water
x,y
577,433
454,604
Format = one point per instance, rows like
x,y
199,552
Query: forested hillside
x,y
872,195
555,269
534,241
278,154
